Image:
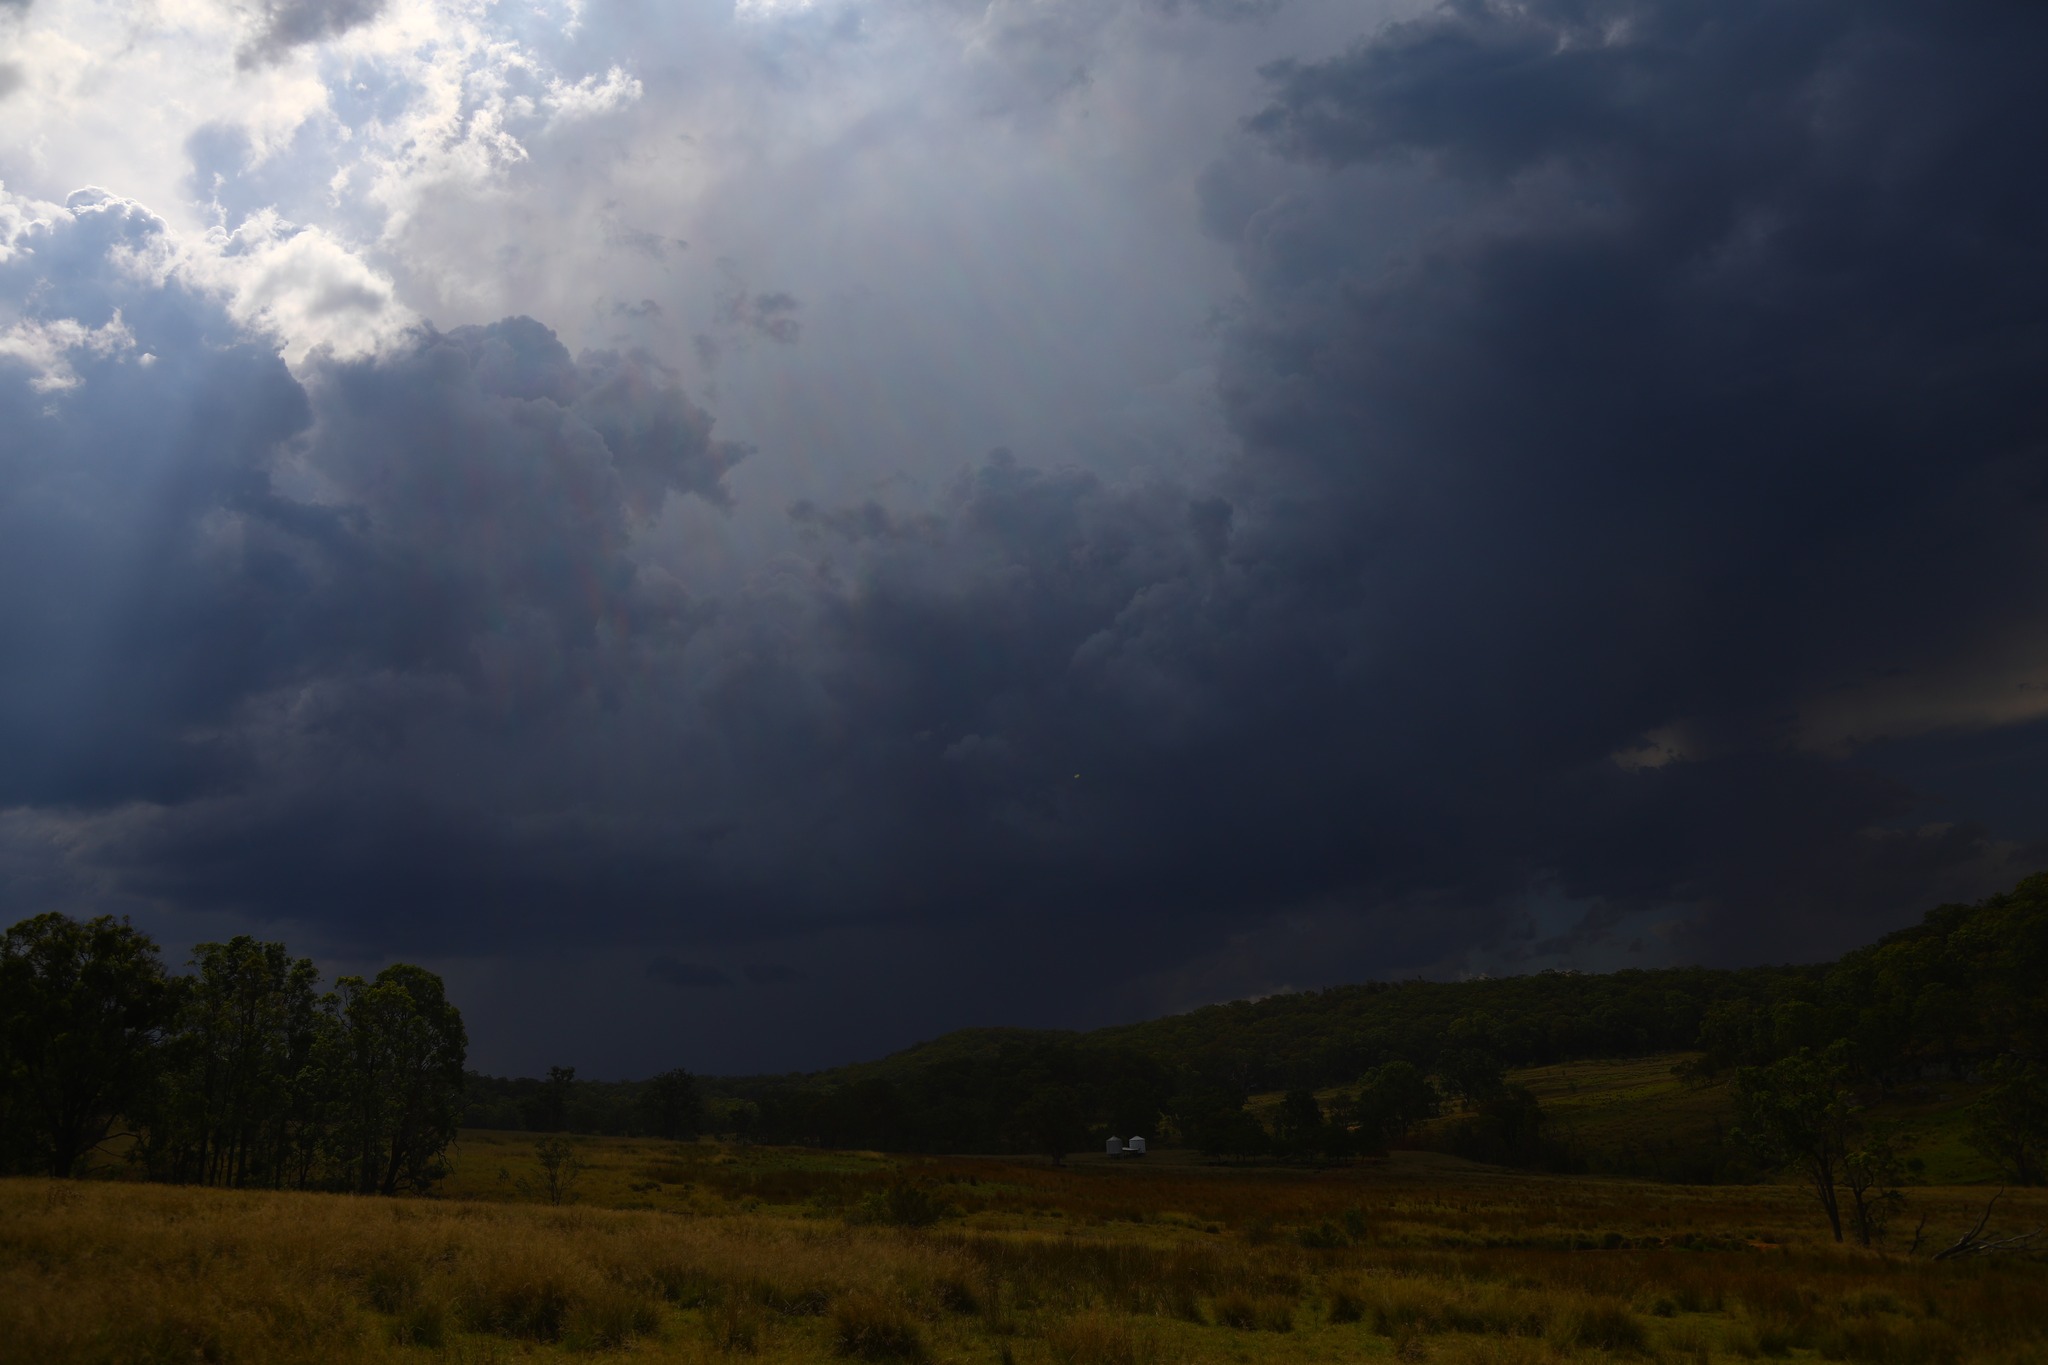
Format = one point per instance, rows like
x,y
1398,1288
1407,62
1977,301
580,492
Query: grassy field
x,y
703,1252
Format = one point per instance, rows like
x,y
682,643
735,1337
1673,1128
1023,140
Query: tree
x,y
2009,1122
82,1013
1872,1173
1298,1127
1472,1071
1798,1113
670,1106
1050,1121
1393,1100
560,1169
1731,1033
393,1056
1218,1124
237,1103
548,1112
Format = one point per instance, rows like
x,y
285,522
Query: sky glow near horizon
x,y
647,508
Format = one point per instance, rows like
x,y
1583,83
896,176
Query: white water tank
x,y
1135,1147
1113,1147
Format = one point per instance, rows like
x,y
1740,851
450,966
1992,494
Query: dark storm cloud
x,y
689,976
294,23
771,974
1627,396
1716,401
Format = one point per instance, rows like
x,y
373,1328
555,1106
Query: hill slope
x,y
1920,1010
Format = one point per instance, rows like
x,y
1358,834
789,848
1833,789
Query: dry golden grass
x,y
762,1255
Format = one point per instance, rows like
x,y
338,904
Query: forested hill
x,y
1960,988
1318,1038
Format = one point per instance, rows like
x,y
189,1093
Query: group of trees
x,y
242,1072
1015,1090
1395,1053
670,1105
1387,1105
1004,1091
1963,993
1802,1113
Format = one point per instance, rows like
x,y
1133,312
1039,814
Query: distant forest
x,y
1963,993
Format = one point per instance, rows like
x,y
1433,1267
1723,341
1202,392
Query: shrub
x,y
390,1285
1092,1339
794,1303
869,1327
610,1318
1694,1298
901,1206
734,1322
423,1324
1606,1327
1267,1313
514,1304
682,1284
958,1296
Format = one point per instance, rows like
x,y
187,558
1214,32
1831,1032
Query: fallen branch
x,y
1973,1242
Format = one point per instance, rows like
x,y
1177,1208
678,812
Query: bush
x,y
734,1322
1269,1313
1606,1327
1092,1339
900,1206
958,1296
868,1327
391,1284
1324,1236
610,1318
532,1305
422,1324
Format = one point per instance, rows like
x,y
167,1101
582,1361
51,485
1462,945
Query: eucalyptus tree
x,y
670,1105
2009,1122
390,1059
83,1009
1800,1113
239,1102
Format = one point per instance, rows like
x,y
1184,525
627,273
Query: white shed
x,y
1113,1147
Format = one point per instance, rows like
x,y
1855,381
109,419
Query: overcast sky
x,y
749,536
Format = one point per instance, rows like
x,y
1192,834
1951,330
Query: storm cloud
x,y
1573,494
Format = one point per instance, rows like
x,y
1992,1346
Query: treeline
x,y
242,1072
1964,993
1399,1054
669,1105
1965,987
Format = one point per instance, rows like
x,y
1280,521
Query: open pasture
x,y
702,1252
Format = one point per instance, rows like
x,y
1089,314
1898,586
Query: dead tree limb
x,y
1974,1243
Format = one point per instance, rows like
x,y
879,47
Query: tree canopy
x,y
240,1073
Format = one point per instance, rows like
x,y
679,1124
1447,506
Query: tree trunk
x,y
1824,1189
